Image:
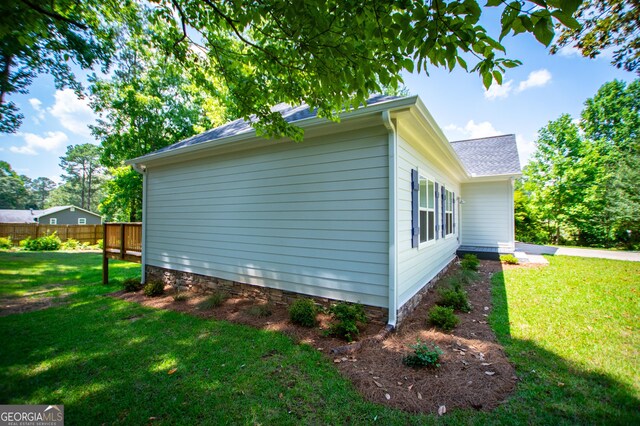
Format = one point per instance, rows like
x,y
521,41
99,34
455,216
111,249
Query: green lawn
x,y
108,360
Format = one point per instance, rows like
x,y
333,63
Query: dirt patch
x,y
21,305
474,371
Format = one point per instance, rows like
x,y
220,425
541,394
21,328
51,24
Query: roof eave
x,y
495,177
139,163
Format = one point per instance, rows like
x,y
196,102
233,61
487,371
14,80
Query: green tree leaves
x,y
603,24
330,54
584,180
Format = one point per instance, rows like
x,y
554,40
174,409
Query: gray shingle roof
x,y
30,216
19,216
495,155
237,127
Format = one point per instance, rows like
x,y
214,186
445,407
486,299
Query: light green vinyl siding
x,y
487,215
417,266
311,218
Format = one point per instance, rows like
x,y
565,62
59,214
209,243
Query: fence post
x,y
122,240
37,228
105,259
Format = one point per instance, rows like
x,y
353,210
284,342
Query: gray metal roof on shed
x,y
494,155
237,127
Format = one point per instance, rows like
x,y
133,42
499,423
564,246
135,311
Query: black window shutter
x,y
435,216
443,197
415,220
453,195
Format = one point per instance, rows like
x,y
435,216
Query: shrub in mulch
x,y
303,312
153,288
347,318
216,299
443,317
470,262
132,284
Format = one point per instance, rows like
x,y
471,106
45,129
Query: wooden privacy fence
x,y
121,241
19,231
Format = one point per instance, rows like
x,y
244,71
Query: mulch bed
x,y
474,371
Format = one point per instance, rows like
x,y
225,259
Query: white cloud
x,y
569,51
498,91
537,78
74,114
526,148
36,104
481,130
471,130
34,143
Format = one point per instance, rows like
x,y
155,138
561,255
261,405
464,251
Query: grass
x,y
572,330
55,273
111,361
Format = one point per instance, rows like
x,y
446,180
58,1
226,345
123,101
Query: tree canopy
x,y
606,24
329,54
583,182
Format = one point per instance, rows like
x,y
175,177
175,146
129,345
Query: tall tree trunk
x,y
89,188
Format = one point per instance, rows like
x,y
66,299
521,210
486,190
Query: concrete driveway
x,y
580,252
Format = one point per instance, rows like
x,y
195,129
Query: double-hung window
x,y
427,210
449,202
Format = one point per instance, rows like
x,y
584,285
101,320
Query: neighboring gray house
x,y
61,215
367,210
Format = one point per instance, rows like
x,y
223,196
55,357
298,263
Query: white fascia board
x,y
490,178
247,136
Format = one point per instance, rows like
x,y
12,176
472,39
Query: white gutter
x,y
143,258
393,223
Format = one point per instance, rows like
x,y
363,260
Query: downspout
x,y
143,260
393,223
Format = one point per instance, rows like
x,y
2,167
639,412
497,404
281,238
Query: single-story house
x,y
60,215
368,210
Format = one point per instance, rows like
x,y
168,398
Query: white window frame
x,y
82,221
448,213
53,221
424,177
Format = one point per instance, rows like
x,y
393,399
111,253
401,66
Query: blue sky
x,y
540,90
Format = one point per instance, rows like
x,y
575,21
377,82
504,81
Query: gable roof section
x,y
479,158
240,126
19,216
491,156
30,216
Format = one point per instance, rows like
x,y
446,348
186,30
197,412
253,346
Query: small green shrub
x,y
6,243
260,311
132,284
71,244
99,244
303,312
454,297
443,317
509,258
180,297
217,298
154,288
470,262
347,317
467,276
49,242
423,355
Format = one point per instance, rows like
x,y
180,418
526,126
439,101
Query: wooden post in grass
x,y
122,241
105,259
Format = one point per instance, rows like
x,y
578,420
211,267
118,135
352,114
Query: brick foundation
x,y
412,303
187,281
